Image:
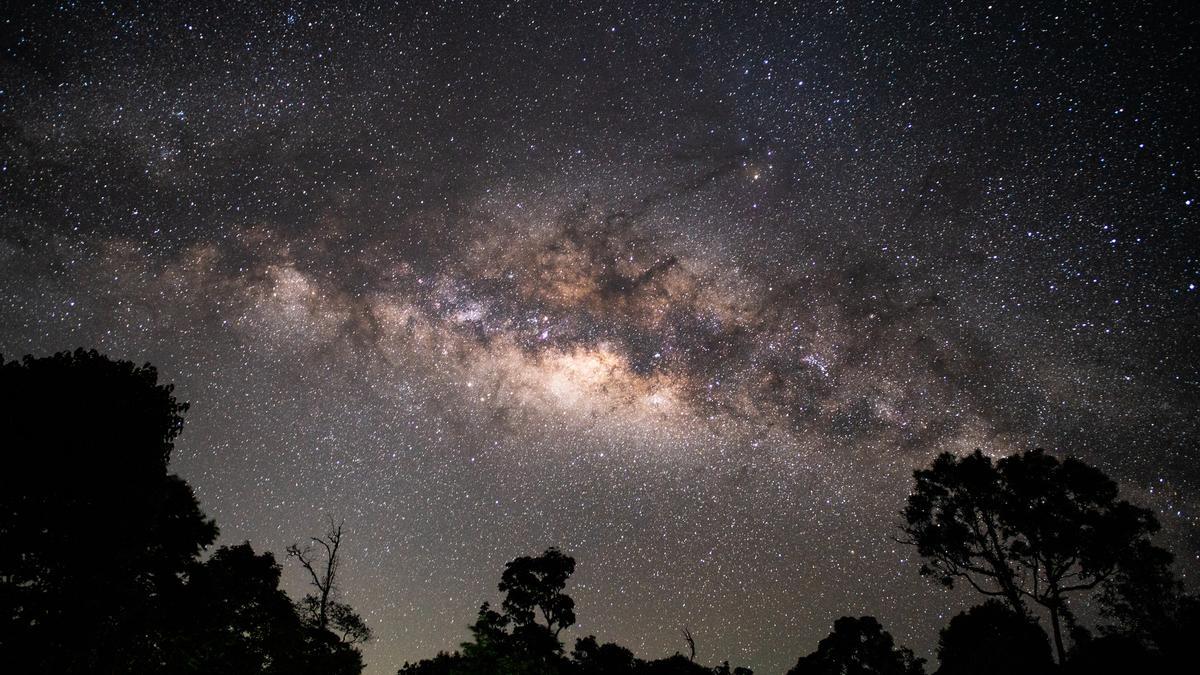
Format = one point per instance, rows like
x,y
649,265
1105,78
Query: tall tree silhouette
x,y
321,609
523,637
1147,601
858,647
534,586
237,620
514,640
100,568
1025,528
94,531
1150,615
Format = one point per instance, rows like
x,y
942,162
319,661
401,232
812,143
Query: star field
x,y
686,290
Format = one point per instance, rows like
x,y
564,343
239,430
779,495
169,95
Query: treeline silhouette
x,y
523,637
1027,531
101,568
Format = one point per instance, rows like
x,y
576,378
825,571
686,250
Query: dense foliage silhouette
x,y
523,636
992,639
1025,528
237,619
534,586
93,529
100,568
859,647
101,565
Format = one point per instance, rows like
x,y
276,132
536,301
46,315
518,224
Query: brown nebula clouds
x,y
598,324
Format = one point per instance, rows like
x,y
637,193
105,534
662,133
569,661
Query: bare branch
x,y
325,580
691,642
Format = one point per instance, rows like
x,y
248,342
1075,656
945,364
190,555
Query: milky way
x,y
687,291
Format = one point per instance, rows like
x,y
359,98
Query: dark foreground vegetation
x,y
101,566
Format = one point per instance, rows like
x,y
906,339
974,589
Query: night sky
x,y
686,290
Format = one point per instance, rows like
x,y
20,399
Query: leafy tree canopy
x,y
1027,528
858,647
992,639
100,568
523,637
93,529
533,588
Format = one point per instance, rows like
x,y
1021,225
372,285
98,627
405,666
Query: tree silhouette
x,y
442,664
676,664
1114,655
1147,602
858,647
592,658
535,586
1153,621
492,647
321,609
993,639
523,638
99,545
515,641
322,574
94,531
232,617
691,643
1027,527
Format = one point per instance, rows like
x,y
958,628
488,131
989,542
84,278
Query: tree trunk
x,y
1014,599
1058,640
